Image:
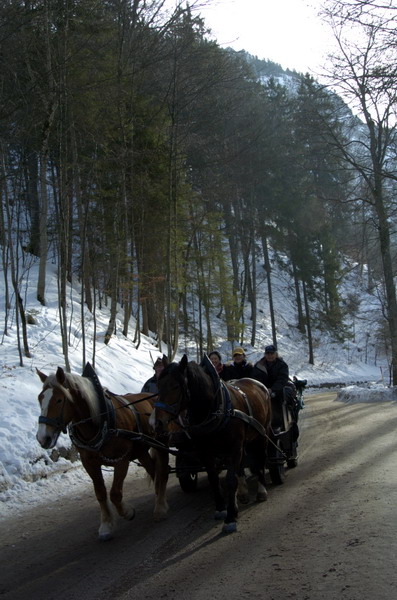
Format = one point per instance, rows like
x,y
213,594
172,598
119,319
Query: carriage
x,y
224,426
282,450
226,423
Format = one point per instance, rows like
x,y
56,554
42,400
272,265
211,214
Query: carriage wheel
x,y
292,461
188,482
277,474
187,479
277,468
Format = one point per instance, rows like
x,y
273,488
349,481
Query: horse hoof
x,y
160,517
230,527
130,515
262,497
105,532
243,499
220,515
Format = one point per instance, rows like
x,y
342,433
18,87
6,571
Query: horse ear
x,y
60,374
165,361
42,376
183,363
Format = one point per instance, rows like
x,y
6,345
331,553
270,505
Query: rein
x,y
108,428
216,420
98,440
101,414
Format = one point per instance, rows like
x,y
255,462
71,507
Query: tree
x,y
364,73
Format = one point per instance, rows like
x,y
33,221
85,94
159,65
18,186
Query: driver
x,y
273,372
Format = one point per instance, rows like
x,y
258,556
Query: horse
x,y
107,429
227,423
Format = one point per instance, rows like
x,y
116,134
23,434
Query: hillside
x,y
123,367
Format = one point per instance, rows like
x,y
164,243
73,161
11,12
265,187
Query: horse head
x,y
172,395
54,399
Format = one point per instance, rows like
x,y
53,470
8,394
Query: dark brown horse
x,y
227,424
107,429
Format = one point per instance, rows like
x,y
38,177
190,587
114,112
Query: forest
x,y
166,174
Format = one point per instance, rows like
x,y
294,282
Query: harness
x,y
220,417
107,413
249,419
223,409
107,426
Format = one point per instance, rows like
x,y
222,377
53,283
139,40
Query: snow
x,y
29,474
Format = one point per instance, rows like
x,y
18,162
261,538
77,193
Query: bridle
x,y
174,408
58,422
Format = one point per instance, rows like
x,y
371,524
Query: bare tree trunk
x,y
113,305
301,320
4,251
308,324
254,311
269,288
20,311
43,230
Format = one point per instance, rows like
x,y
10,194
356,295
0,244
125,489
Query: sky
x,y
28,476
288,32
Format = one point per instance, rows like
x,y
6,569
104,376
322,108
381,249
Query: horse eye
x,y
59,400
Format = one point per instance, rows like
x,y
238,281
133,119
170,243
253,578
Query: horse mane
x,y
203,400
200,383
79,387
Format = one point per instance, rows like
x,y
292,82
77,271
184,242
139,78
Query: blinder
x,y
168,408
57,423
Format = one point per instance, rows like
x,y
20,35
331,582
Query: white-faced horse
x,y
107,429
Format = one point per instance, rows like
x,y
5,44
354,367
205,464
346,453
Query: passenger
x,y
239,367
300,385
151,384
273,372
216,360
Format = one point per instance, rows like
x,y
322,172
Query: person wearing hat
x,y
273,372
239,367
150,387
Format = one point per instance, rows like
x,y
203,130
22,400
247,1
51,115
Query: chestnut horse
x,y
227,423
107,429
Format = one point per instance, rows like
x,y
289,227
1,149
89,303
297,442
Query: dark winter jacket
x,y
273,375
150,387
236,371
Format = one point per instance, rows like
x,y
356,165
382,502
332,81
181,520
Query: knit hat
x,y
270,349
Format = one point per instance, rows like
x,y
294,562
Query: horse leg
x,y
93,469
116,491
160,483
156,465
242,488
261,494
258,469
230,523
213,478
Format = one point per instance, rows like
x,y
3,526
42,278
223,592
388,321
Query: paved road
x,y
330,532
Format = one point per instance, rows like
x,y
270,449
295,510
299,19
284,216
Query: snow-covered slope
x,y
123,367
